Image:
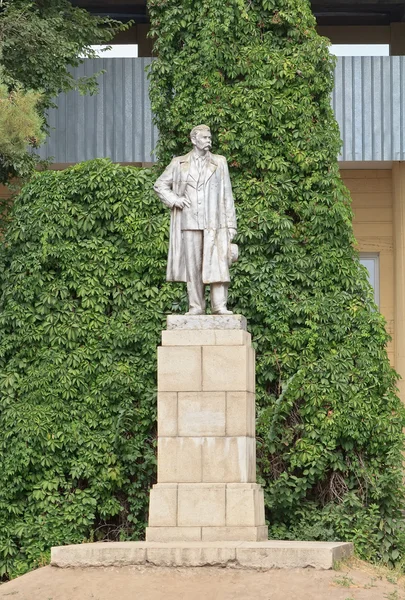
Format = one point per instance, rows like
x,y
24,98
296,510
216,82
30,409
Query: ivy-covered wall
x,y
82,303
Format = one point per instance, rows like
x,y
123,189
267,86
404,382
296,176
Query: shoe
x,y
223,311
194,312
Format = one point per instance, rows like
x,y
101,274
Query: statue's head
x,y
201,137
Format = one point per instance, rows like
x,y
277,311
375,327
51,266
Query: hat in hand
x,y
233,253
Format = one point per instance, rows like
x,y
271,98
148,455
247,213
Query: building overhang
x,y
122,10
360,12
327,12
368,100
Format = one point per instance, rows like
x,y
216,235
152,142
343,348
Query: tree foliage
x,y
330,423
19,120
39,41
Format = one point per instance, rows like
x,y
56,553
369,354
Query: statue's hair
x,y
198,128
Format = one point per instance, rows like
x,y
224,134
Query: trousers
x,y
193,249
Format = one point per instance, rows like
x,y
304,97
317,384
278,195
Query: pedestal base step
x,y
207,534
273,554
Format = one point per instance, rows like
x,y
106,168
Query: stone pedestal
x,y
206,508
206,488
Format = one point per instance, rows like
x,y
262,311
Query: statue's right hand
x,y
181,202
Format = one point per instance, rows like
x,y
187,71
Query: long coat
x,y
219,216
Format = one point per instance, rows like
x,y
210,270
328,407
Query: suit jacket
x,y
219,215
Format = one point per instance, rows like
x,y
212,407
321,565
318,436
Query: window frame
x,y
374,256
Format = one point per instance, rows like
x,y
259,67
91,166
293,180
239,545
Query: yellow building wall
x,y
372,197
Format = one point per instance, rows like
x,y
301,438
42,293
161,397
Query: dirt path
x,y
357,581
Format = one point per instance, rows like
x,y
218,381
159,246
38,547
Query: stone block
x,y
163,505
173,534
240,414
191,556
179,368
206,337
279,554
118,554
233,337
244,506
237,534
179,459
227,368
206,322
229,460
167,413
201,413
189,337
201,505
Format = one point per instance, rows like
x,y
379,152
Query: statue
x,y
197,189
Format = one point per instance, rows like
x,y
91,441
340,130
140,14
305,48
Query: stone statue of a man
x,y
197,189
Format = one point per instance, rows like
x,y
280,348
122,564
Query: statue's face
x,y
202,140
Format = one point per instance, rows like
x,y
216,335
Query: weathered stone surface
x,y
237,534
99,555
173,534
191,556
244,505
179,368
167,413
188,337
228,368
233,337
251,371
276,554
201,505
163,505
180,459
229,460
206,337
206,459
206,322
201,413
240,414
254,555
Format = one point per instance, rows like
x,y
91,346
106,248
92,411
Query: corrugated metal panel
x,y
115,123
368,101
369,104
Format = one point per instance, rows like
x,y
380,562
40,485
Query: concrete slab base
x,y
272,554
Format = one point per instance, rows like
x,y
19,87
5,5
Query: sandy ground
x,y
354,581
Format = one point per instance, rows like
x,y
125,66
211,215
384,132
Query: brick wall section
x,y
372,197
